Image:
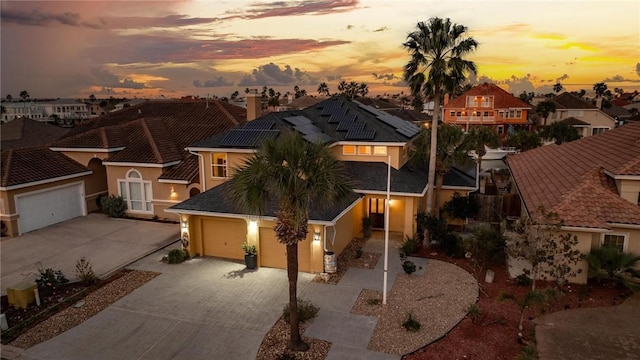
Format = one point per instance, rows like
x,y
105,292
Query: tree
x,y
557,87
24,94
527,96
600,89
560,132
417,102
9,98
234,95
545,108
323,89
437,49
451,149
92,98
612,263
537,299
480,137
295,174
363,89
524,140
618,92
342,86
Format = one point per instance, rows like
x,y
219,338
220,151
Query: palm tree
x,y
545,108
452,148
296,174
600,89
480,137
9,98
609,262
342,86
524,140
323,89
363,89
24,94
557,87
561,132
437,49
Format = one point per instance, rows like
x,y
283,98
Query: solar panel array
x,y
345,122
360,134
318,138
259,125
298,120
337,118
308,129
346,126
247,137
403,127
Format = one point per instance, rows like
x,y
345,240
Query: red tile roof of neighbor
x,y
502,98
574,179
21,166
25,132
568,101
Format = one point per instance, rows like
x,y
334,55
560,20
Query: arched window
x,y
136,192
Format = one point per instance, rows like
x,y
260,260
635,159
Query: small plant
x,y
154,218
529,352
367,225
49,278
113,206
359,253
286,356
176,256
409,245
84,271
374,301
249,249
409,267
306,311
608,262
411,324
523,280
475,312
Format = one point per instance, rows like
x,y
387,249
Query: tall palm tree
x,y
24,94
600,89
437,48
342,87
560,132
480,137
452,147
296,174
544,109
323,89
557,87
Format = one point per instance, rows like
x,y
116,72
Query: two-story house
x,y
366,139
487,105
589,119
593,184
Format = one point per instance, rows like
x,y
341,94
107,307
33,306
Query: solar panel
x,y
259,125
247,137
403,127
408,129
318,138
346,126
308,129
356,134
333,111
297,120
336,118
330,104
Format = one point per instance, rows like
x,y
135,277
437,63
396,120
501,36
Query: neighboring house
x,y
137,153
592,183
363,137
19,109
618,113
568,105
65,111
487,105
25,132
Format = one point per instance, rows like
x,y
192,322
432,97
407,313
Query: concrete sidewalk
x,y
107,243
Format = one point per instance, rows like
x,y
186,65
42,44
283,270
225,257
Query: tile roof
x,y
21,166
502,98
568,101
25,132
574,122
216,200
573,179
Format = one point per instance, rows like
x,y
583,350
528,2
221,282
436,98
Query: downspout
x,y
203,186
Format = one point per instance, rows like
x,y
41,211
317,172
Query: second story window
x,y
379,150
348,150
364,150
218,165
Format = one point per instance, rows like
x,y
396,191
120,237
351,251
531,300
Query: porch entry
x,y
376,212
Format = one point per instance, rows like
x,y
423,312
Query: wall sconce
x,y
253,226
316,236
185,224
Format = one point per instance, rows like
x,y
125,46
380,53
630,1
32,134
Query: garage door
x,y
224,237
44,208
274,254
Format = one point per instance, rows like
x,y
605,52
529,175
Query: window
x,y
218,165
598,130
486,101
364,150
615,240
348,150
500,129
512,114
379,150
518,114
452,113
486,113
458,113
136,192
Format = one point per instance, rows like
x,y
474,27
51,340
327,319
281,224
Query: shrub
x,y
523,280
176,256
49,278
359,253
409,267
249,249
113,206
286,356
84,271
611,263
475,312
529,352
461,207
374,301
411,324
306,310
409,245
451,245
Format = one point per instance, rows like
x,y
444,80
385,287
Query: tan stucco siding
x,y
346,228
629,190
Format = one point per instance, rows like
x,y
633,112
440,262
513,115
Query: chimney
x,y
446,100
254,105
599,103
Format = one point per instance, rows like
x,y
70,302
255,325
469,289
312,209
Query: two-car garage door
x,y
43,208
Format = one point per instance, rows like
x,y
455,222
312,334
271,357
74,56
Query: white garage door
x,y
44,208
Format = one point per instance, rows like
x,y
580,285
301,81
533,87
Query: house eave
x,y
45,181
134,164
89,150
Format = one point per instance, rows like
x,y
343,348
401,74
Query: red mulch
x,y
494,335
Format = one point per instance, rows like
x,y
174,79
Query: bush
x,y
451,245
409,267
611,263
475,312
374,301
113,206
461,207
176,256
409,245
49,278
411,324
84,271
306,311
359,253
249,249
523,280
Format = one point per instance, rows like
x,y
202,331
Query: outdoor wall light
x,y
316,236
184,224
253,226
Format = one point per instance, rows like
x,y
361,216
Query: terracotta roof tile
x,y
568,101
20,166
502,98
574,180
25,132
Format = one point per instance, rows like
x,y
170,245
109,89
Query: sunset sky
x,y
149,49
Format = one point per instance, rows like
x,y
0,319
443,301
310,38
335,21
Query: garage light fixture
x,y
253,226
316,236
185,224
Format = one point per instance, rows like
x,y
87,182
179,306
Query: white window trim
x,y
226,165
625,245
144,199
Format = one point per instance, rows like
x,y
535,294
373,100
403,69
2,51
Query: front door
x,y
376,212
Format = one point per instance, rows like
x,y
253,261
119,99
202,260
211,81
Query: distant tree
x,y
618,92
92,98
298,93
524,140
342,87
273,98
560,132
557,87
9,98
417,102
544,109
235,95
103,103
323,89
3,110
363,89
527,96
247,90
600,89
24,94
580,94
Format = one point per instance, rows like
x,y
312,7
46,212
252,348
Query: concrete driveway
x,y
106,242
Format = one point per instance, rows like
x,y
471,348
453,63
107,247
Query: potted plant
x,y
367,224
250,255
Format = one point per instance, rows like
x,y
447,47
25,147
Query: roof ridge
x,y
150,138
103,136
227,113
